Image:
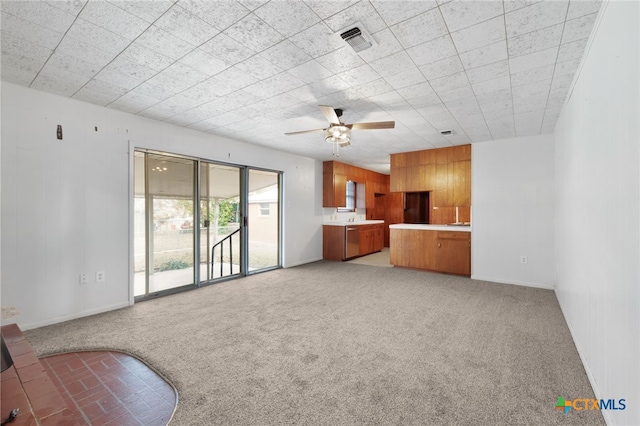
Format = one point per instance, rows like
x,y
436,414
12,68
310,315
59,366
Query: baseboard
x,y
70,317
520,283
608,420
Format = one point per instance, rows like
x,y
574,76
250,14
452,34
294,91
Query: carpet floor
x,y
332,343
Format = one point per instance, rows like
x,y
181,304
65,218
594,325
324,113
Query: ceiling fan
x,y
339,134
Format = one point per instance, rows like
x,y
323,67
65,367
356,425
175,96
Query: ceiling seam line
x,y
465,74
513,111
57,45
120,53
555,65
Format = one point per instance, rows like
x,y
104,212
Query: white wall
x,y
512,216
65,204
598,209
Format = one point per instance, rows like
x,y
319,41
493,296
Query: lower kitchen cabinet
x,y
366,240
453,255
371,240
378,238
439,251
333,242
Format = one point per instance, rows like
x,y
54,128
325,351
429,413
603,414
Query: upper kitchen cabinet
x,y
334,186
334,180
444,172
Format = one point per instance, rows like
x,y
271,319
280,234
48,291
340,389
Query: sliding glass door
x,y
233,228
164,223
220,219
263,234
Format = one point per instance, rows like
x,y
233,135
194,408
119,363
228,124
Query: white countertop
x,y
424,227
357,222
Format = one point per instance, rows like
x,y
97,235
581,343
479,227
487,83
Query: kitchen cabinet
x,y
431,250
397,180
333,242
453,254
413,248
444,172
371,240
335,176
334,189
378,238
366,240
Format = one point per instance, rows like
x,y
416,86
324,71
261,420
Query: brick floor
x,y
109,388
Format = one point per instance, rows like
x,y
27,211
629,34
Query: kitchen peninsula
x,y
422,210
439,248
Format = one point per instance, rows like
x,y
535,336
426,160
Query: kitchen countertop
x,y
357,222
428,227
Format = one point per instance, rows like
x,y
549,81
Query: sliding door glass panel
x,y
219,221
263,211
139,226
170,220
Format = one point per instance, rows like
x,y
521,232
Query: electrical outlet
x,y
523,259
101,276
83,279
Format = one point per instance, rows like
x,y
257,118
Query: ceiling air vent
x,y
357,37
446,132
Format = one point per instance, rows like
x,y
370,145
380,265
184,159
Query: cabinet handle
x,y
439,245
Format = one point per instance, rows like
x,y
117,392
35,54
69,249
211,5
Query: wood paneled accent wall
x,y
444,172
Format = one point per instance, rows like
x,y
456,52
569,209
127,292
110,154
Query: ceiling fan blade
x,y
330,113
373,125
305,131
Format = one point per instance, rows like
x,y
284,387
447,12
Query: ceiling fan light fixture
x,y
338,135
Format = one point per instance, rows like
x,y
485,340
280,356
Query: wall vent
x,y
357,37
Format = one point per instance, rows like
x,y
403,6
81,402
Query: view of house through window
x,y
220,217
264,219
237,231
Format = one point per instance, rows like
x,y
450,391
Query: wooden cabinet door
x,y
333,242
398,179
366,240
453,254
339,190
413,248
378,238
462,183
370,196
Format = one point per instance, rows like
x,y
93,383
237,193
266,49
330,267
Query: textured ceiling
x,y
253,70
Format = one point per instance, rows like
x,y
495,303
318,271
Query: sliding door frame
x,y
248,224
243,206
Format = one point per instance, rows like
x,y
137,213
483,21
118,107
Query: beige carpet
x,y
380,258
334,343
